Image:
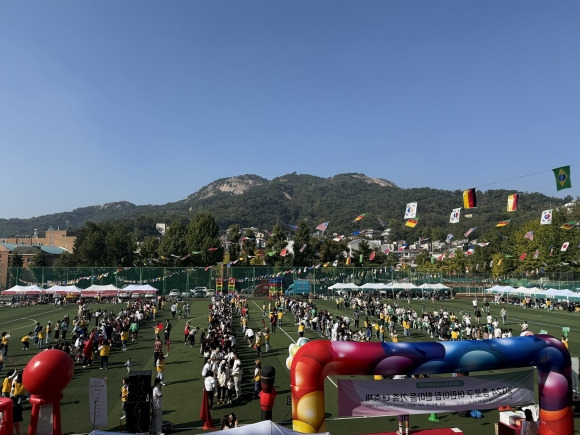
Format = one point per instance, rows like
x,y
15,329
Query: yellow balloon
x,y
289,362
310,409
300,426
293,349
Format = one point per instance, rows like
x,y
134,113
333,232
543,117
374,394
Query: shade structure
x,y
100,290
344,285
404,286
140,289
20,290
63,290
372,286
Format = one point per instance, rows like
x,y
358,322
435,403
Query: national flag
x,y
469,199
284,252
469,231
565,246
483,244
294,227
503,223
348,261
335,263
568,225
338,238
372,256
323,226
357,233
303,247
551,249
412,223
536,253
441,257
491,263
523,256
562,175
411,210
500,262
454,218
402,247
468,216
546,218
452,254
360,217
195,252
360,258
386,251
470,251
512,203
212,249
382,222
449,237
529,235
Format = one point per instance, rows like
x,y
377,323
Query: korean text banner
x,y
438,394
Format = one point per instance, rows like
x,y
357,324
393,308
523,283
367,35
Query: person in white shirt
x,y
250,336
156,405
210,385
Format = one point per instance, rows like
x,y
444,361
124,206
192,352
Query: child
x,y
40,337
25,341
267,339
18,391
124,397
124,337
231,388
128,365
48,331
160,365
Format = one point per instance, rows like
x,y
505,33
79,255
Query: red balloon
x,y
48,373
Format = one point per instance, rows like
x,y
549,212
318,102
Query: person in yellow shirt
x,y
395,337
18,391
40,337
26,341
564,340
124,397
48,330
267,339
160,366
7,383
280,317
301,329
124,337
104,350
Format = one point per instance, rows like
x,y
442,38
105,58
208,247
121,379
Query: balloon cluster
x,y
293,348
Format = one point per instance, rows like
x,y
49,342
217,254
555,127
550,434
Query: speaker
x,y
138,407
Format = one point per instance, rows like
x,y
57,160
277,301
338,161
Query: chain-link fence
x,y
166,279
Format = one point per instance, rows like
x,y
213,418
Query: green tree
x,y
40,259
249,248
302,238
234,237
203,235
149,250
274,246
173,245
16,260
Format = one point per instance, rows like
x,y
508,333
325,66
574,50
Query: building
x,y
53,244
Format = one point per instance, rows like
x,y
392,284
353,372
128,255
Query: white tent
x,y
344,285
103,290
63,290
371,286
404,286
266,427
20,290
146,288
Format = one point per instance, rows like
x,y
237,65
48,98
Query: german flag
x,y
469,199
503,223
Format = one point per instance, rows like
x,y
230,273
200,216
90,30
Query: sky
x,y
148,101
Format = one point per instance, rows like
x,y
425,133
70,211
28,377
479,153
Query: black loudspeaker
x,y
138,407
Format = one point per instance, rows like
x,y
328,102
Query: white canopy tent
x,y
146,288
63,290
372,286
100,290
266,427
20,290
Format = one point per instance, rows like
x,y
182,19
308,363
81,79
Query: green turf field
x,y
182,395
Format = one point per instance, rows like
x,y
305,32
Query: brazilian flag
x,y
562,175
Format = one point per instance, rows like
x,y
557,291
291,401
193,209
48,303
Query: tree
x,y
203,236
16,260
149,249
173,246
304,246
40,259
234,248
275,245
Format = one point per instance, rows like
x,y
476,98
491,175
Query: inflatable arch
x,y
316,360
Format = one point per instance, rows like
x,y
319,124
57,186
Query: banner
x,y
440,394
411,210
98,402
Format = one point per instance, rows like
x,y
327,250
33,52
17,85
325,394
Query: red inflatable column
x,y
6,425
45,377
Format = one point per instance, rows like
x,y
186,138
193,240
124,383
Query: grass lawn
x,y
182,395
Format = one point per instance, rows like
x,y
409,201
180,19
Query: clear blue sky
x,y
148,101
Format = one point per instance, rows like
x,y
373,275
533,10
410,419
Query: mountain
x,y
250,200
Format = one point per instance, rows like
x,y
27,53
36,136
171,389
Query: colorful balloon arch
x,y
316,360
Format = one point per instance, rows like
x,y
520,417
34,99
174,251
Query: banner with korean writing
x,y
440,394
